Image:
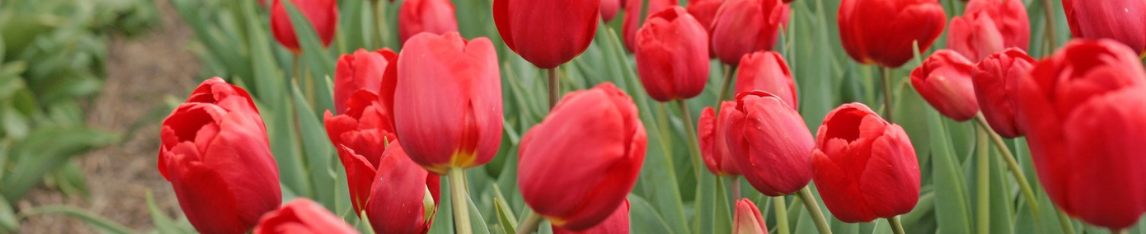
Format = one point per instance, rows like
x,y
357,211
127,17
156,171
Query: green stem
x,y
886,74
735,184
814,210
1064,222
690,134
294,69
458,195
724,88
982,164
379,9
1123,231
1048,7
554,88
781,214
896,226
1012,164
530,224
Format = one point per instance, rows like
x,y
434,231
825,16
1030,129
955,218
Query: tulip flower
x,y
745,26
975,36
704,11
996,82
944,80
360,134
865,167
767,71
672,55
322,14
404,197
610,8
302,216
216,154
883,31
633,19
432,16
713,143
616,223
770,143
447,108
748,219
376,72
546,33
1084,113
577,165
1121,20
1010,19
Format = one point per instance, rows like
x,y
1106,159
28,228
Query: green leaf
x,y
7,216
643,218
315,57
160,220
92,220
318,151
70,179
444,216
505,217
476,220
46,149
951,203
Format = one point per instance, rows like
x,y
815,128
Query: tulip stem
x,y
1123,231
1013,165
690,134
458,195
781,214
1048,7
554,88
982,164
885,73
530,224
896,226
735,186
814,210
379,10
724,88
1064,222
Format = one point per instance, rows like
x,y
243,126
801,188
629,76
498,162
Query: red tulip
x,y
633,20
747,219
577,165
770,143
974,36
1121,20
714,143
996,82
216,154
944,80
672,55
1084,113
882,31
322,14
360,134
546,33
616,223
609,9
432,16
704,11
447,108
745,26
865,167
404,197
1010,19
302,216
767,71
376,72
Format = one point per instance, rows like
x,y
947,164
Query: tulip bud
x,y
567,32
616,223
704,11
766,71
447,108
713,141
745,26
747,219
376,72
672,55
1121,20
633,19
577,165
1084,113
883,32
322,14
770,143
216,154
1010,19
974,36
865,167
609,9
432,16
302,216
944,80
360,135
404,197
996,82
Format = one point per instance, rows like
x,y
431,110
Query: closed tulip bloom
x,y
770,143
672,55
1084,114
609,9
360,135
704,11
1010,19
865,167
713,141
302,216
944,80
767,71
546,33
616,223
322,14
376,72
883,31
996,83
747,219
577,165
432,16
633,20
745,26
1121,20
216,154
974,36
404,197
447,108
